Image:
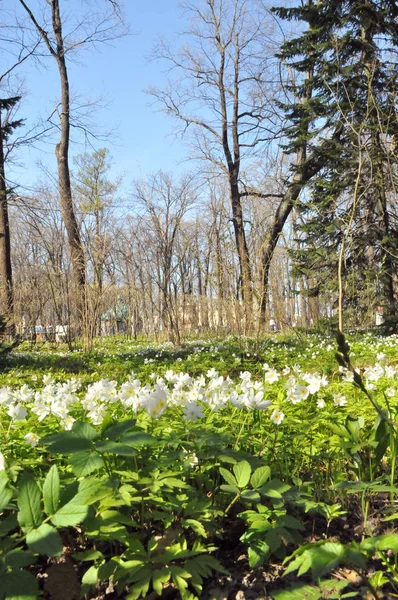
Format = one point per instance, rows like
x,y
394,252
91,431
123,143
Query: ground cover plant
x,y
223,467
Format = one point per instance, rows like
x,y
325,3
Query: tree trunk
x,y
6,289
65,191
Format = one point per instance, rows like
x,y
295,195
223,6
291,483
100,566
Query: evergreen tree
x,y
349,48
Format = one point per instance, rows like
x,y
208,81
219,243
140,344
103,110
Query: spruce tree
x,y
349,47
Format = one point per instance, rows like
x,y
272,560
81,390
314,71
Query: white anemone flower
x,y
32,439
300,392
17,412
277,417
193,411
156,403
339,400
271,376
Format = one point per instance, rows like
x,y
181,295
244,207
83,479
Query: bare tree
x,y
59,45
164,205
222,99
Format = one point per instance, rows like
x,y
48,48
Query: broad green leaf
x,y
66,442
5,497
242,471
90,490
45,540
227,475
387,541
51,491
274,488
18,558
260,476
86,462
89,579
258,552
251,496
115,431
84,430
20,585
138,438
8,524
70,514
117,448
29,503
231,489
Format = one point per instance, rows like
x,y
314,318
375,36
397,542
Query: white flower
x,y
67,422
300,392
315,382
2,462
339,400
193,411
286,370
390,392
6,396
17,412
156,403
277,417
32,439
271,376
320,403
381,357
212,373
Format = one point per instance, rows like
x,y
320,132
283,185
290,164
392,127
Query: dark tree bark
x,y
6,288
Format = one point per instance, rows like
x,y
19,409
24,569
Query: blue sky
x,y
118,73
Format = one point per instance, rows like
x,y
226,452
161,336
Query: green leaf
x,y
298,592
87,555
117,448
84,463
8,524
159,577
89,579
388,541
18,558
258,552
242,471
45,540
20,585
84,430
274,489
115,431
260,476
139,438
5,492
392,517
70,514
51,491
231,489
30,514
197,526
251,496
68,444
90,490
227,475
5,497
